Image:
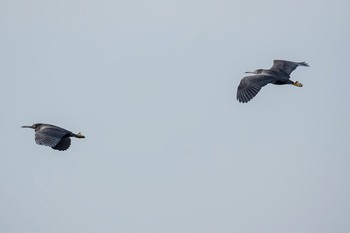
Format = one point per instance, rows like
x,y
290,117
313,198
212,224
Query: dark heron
x,y
53,136
278,74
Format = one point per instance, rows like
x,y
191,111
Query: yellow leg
x,y
79,135
297,84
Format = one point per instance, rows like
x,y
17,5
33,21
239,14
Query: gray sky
x,y
152,85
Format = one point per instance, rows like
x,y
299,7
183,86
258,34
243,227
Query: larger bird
x,y
278,74
53,136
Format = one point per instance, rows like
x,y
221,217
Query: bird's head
x,y
258,71
35,126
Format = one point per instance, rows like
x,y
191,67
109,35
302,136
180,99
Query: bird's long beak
x,y
27,127
250,72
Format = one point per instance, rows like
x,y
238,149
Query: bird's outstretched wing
x,y
49,136
64,144
46,140
286,66
251,85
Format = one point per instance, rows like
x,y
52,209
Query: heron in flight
x,y
278,74
53,136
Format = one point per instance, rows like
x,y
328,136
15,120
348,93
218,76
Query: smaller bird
x,y
53,136
278,74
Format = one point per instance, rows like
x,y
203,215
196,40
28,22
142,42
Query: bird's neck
x,y
266,72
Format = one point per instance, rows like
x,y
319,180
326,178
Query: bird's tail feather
x,y
79,135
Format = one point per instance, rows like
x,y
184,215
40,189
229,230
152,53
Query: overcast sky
x,y
168,148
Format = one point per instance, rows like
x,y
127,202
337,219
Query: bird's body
x,y
278,74
53,136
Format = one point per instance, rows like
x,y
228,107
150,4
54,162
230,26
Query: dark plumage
x,y
278,74
53,136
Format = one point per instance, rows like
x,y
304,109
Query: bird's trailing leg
x,y
79,135
297,84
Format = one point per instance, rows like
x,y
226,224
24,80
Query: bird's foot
x,y
79,135
297,84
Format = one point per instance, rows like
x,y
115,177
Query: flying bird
x,y
53,136
278,74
